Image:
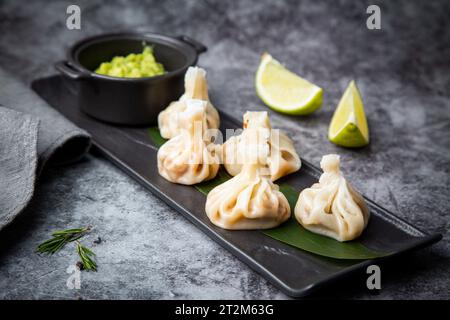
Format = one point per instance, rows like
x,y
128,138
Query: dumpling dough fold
x,y
282,159
250,200
196,87
187,158
332,207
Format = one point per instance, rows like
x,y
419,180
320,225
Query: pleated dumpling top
x,y
250,200
332,207
187,158
282,159
196,87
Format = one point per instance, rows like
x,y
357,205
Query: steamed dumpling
x,y
187,158
282,159
196,87
332,207
250,200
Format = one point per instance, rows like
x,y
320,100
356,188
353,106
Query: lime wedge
x,y
348,127
284,91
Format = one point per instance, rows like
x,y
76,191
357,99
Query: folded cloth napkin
x,y
31,135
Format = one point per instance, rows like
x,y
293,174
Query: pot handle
x,y
200,48
70,71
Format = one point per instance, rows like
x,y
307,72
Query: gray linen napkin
x,y
31,134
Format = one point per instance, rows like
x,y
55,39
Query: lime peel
x,y
283,90
348,127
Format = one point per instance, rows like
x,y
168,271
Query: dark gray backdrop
x,y
148,250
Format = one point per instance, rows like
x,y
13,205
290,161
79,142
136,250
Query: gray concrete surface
x,y
148,250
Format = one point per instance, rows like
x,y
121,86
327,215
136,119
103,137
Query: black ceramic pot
x,y
129,101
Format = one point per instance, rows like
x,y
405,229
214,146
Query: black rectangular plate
x,y
295,272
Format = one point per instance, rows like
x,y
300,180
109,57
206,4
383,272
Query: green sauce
x,y
134,65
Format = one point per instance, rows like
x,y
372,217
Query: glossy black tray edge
x,y
426,239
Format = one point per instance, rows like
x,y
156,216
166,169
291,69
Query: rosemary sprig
x,y
61,238
86,257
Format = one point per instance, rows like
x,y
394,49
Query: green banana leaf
x,y
291,232
206,186
155,135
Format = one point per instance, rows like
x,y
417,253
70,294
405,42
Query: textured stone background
x,y
149,251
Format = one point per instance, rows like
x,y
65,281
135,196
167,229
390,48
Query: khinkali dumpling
x,y
332,207
187,158
282,159
250,200
196,87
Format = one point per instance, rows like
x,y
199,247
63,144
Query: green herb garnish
x,y
61,238
86,256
